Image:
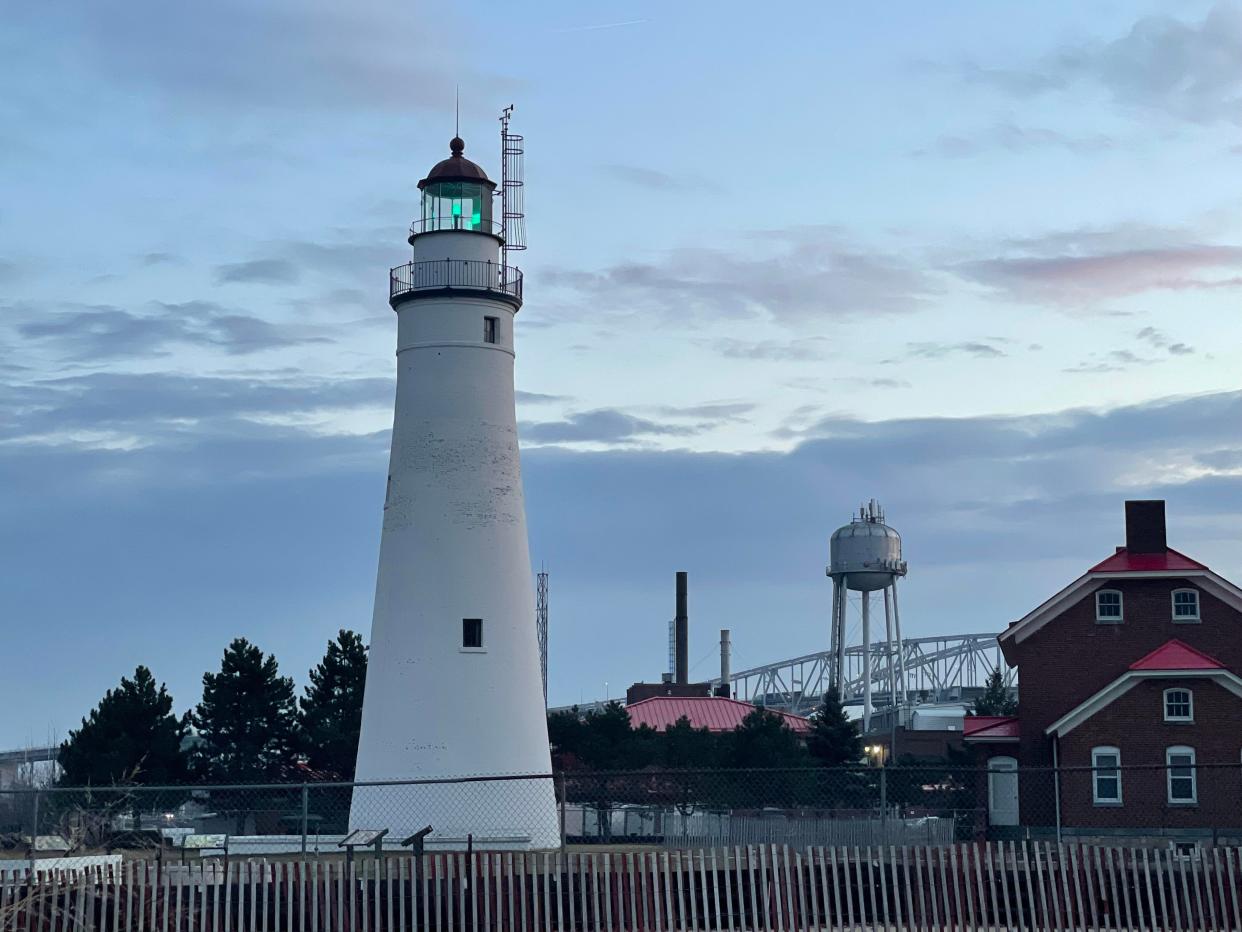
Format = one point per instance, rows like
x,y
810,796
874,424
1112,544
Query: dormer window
x,y
1108,609
1185,605
1179,705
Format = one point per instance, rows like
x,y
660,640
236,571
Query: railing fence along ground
x,y
995,885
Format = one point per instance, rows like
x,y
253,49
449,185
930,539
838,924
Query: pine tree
x,y
132,736
332,706
763,740
996,699
683,745
247,721
834,740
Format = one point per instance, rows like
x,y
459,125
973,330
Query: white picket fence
x,y
1037,886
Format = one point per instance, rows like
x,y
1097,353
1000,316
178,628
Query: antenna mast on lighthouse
x,y
512,202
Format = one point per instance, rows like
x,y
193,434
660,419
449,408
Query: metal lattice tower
x,y
541,626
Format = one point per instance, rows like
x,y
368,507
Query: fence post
x,y
305,814
560,792
1056,783
884,803
34,831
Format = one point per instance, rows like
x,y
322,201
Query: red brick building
x,y
1129,684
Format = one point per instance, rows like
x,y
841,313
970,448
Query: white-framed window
x,y
1106,776
1179,705
1108,606
1185,604
490,325
1183,787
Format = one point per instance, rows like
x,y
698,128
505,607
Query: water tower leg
x,y
866,658
891,672
842,597
901,654
834,638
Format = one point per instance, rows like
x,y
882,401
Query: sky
x,y
979,261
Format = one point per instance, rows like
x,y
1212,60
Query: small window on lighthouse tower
x,y
472,632
489,329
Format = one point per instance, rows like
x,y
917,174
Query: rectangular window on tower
x,y
489,329
472,633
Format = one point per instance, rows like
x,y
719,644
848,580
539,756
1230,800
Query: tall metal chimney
x,y
726,656
682,624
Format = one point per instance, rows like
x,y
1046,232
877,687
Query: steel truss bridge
x,y
940,667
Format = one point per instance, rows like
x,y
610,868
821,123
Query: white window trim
x,y
1185,619
1180,750
1179,718
1110,619
1095,786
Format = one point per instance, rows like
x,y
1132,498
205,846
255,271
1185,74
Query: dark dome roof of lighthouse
x,y
456,168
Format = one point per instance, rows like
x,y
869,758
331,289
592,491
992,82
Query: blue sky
x,y
980,261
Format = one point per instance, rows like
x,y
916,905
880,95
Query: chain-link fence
x,y
893,805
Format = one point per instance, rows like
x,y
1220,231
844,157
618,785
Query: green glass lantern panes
x,y
457,205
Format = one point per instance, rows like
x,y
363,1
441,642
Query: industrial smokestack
x,y
726,652
682,625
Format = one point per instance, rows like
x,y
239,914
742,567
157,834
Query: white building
x,y
453,683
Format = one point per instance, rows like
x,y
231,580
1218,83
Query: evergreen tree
x,y
332,706
834,740
683,745
247,721
763,740
132,736
996,699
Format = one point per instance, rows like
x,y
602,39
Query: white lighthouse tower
x,y
453,682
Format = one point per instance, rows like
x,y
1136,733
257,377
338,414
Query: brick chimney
x,y
1145,526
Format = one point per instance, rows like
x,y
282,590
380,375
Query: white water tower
x,y
865,557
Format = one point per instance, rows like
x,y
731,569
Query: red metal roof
x,y
715,713
990,726
1176,655
1125,562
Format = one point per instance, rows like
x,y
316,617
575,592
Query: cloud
x,y
603,425
790,275
718,411
1160,340
154,408
278,55
538,398
1013,138
101,332
1190,71
806,349
872,383
1111,361
259,271
1083,267
976,348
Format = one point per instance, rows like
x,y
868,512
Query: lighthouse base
x,y
493,811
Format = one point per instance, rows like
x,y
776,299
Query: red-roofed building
x,y
1129,683
715,713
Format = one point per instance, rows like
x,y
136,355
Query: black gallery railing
x,y
449,274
